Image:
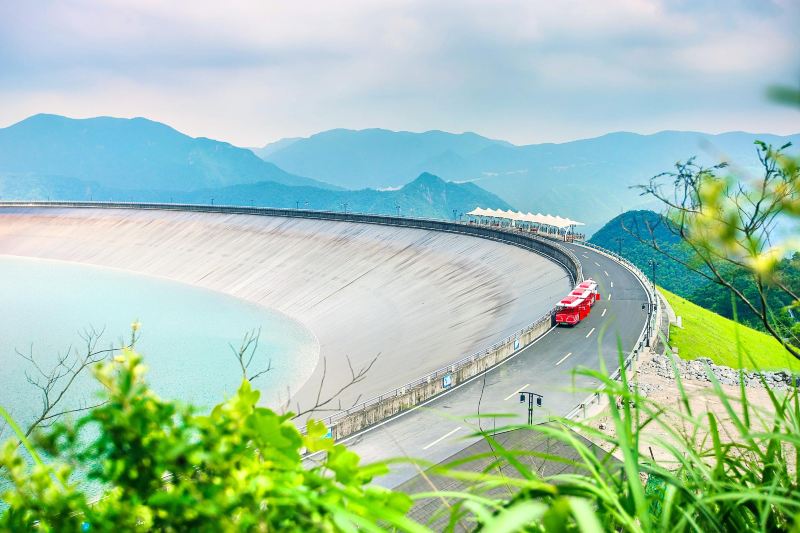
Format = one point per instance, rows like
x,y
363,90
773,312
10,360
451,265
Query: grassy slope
x,y
707,334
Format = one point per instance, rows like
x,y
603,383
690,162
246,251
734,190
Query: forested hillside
x,y
625,234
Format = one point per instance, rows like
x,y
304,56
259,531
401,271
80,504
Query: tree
x,y
730,222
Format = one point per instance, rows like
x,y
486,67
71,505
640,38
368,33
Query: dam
x,y
415,299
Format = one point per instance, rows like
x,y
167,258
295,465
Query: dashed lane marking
x,y
596,263
563,358
605,272
516,392
590,332
440,439
604,312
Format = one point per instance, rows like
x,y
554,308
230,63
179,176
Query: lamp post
x,y
397,206
619,246
212,201
525,395
650,308
653,264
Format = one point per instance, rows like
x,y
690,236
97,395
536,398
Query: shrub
x,y
162,466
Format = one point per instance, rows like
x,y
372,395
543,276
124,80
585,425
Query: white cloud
x,y
525,70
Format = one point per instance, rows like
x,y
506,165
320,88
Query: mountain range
x,y
588,180
58,158
130,154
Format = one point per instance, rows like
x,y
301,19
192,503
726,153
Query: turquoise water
x,y
186,332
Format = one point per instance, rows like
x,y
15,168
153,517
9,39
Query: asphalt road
x,y
440,428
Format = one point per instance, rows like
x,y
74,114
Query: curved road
x,y
440,428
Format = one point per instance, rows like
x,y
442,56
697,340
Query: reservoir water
x,y
186,333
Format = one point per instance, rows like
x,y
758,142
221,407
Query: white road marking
x,y
440,439
609,296
590,332
563,358
604,312
612,284
596,263
605,272
516,392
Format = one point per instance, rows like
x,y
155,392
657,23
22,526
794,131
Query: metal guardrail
x,y
439,373
526,240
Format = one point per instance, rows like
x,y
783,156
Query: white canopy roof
x,y
538,218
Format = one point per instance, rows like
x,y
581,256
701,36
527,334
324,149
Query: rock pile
x,y
697,370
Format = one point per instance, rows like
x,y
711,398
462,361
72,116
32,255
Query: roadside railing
x,y
440,373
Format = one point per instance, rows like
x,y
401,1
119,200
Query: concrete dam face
x,y
416,299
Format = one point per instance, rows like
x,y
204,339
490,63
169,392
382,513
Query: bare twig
x,y
324,405
53,383
246,353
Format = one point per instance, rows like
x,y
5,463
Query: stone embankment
x,y
698,370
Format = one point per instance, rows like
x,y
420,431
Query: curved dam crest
x,y
415,298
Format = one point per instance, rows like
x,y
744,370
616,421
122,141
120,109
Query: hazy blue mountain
x,y
129,154
426,196
587,180
265,151
375,158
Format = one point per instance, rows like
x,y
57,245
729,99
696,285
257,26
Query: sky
x,y
526,71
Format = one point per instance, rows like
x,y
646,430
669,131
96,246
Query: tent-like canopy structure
x,y
538,218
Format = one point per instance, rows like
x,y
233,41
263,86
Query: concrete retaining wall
x,y
435,384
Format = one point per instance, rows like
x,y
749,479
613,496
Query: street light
x,y
653,263
619,246
650,308
523,395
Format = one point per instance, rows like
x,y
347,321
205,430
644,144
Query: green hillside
x,y
707,334
619,234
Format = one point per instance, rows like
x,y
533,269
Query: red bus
x,y
572,310
577,304
591,286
